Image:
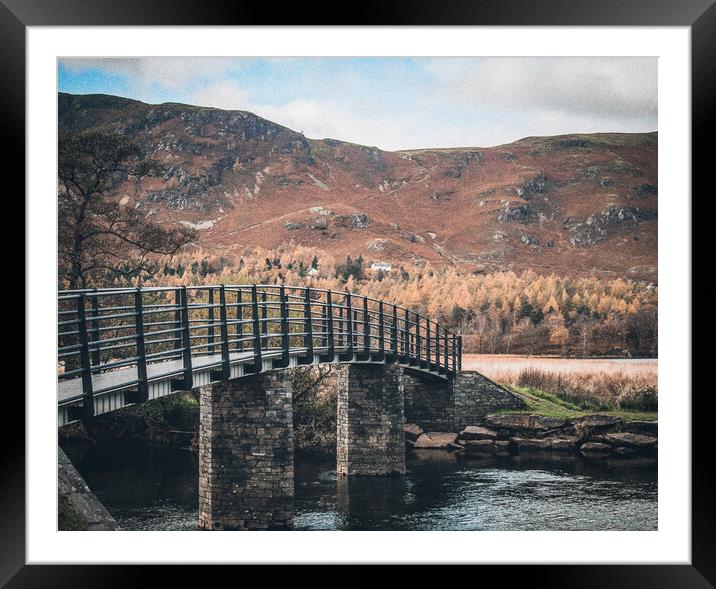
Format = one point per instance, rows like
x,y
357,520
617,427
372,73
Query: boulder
x,y
538,423
635,441
532,445
480,447
563,444
645,428
595,449
436,440
477,432
412,431
597,422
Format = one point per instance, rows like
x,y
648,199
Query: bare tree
x,y
97,233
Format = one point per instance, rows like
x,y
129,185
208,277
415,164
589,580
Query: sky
x,y
395,103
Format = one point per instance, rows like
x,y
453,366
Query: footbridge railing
x,y
126,340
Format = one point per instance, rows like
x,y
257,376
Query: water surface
x,y
158,491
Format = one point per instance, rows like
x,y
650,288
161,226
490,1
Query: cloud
x,y
228,95
169,72
602,87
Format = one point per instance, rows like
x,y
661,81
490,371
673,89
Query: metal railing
x,y
103,330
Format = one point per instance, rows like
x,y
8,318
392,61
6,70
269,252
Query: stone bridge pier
x,y
246,453
370,421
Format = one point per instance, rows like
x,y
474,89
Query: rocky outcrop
x,y
592,436
357,221
477,432
536,185
78,507
634,441
647,428
600,225
512,212
412,431
435,440
513,424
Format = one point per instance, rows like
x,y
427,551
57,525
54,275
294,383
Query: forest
x,y
497,313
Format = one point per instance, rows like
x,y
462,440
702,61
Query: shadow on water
x,y
157,490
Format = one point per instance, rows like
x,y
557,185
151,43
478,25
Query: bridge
x,y
124,346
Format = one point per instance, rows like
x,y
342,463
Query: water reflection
x,y
440,491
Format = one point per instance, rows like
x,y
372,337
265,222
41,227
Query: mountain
x,y
572,204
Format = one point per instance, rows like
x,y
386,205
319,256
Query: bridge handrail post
x,y
445,347
224,330
406,336
96,354
177,320
142,386
394,334
381,330
285,342
427,342
437,347
308,325
186,340
417,337
459,356
257,328
366,327
324,325
331,340
239,320
349,315
341,326
264,321
210,335
87,391
454,352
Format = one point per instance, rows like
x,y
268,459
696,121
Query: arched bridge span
x,y
124,346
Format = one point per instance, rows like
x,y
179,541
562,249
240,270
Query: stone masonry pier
x,y
246,453
370,421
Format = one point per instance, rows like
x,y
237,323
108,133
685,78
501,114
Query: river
x,y
157,490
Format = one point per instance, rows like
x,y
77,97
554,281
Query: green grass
x,y
543,403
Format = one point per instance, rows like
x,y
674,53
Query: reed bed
x,y
592,384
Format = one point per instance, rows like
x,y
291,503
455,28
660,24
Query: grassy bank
x,y
543,403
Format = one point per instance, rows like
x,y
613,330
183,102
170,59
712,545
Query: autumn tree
x,y
100,233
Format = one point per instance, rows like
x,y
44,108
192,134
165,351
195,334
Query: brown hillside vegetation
x,y
570,205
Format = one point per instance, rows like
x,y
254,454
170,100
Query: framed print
x,y
396,292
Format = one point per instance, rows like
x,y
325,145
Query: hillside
x,y
572,204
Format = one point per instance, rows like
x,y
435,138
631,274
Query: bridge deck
x,y
110,387
123,378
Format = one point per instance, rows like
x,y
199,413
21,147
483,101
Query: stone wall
x,y
246,453
476,395
370,421
428,402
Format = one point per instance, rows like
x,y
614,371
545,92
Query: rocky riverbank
x,y
592,436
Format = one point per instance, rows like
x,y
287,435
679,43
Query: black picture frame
x,y
699,15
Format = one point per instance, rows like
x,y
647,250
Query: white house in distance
x,y
384,266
